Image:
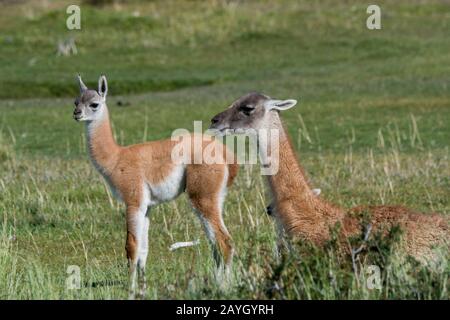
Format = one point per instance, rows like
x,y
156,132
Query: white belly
x,y
170,188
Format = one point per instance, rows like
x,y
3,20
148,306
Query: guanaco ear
x,y
102,86
81,84
280,105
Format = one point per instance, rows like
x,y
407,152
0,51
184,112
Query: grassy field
x,y
372,127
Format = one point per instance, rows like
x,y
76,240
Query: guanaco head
x,y
91,104
251,111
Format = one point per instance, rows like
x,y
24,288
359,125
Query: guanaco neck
x,y
288,179
289,183
102,147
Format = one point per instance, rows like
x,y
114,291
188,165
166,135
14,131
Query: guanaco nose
x,y
215,120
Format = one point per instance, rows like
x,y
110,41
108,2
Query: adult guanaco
x,y
302,213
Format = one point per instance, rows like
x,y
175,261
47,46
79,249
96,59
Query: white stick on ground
x,y
178,245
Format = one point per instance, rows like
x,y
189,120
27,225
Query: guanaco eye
x,y
94,105
247,110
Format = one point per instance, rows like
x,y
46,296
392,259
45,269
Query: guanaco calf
x,y
302,213
145,175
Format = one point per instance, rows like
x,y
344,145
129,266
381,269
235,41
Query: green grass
x,y
371,127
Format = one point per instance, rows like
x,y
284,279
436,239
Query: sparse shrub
x,y
309,272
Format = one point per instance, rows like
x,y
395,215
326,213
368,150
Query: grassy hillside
x,y
371,127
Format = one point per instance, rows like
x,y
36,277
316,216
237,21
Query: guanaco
x,y
303,214
145,175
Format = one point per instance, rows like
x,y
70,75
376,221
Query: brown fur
x,y
135,171
128,167
309,217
